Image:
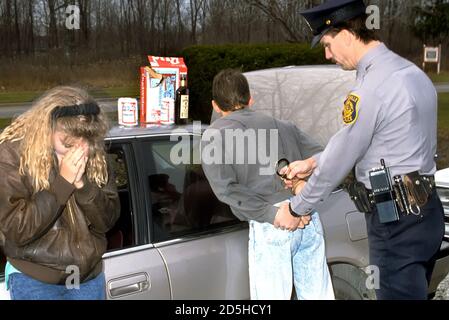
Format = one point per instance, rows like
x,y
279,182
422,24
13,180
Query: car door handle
x,y
129,285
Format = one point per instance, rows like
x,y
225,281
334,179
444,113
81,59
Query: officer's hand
x,y
289,183
285,221
301,169
283,173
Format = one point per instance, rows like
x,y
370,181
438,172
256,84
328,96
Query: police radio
x,y
383,194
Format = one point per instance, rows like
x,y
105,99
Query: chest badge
x,y
351,110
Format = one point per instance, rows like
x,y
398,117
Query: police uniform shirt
x,y
391,114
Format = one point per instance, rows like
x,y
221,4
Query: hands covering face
x,y
72,165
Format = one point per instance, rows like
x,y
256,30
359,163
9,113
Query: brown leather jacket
x,y
51,230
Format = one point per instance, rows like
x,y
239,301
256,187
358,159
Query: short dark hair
x,y
230,90
357,26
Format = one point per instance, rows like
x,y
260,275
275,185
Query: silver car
x,y
175,240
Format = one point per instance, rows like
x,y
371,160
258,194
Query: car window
x,y
122,234
182,201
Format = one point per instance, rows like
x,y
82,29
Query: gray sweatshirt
x,y
241,171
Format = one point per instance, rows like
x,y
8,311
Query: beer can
x,y
127,112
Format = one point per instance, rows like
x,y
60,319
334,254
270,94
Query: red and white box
x,y
158,85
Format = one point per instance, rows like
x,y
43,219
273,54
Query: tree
x,y
154,6
17,27
53,40
7,29
85,25
195,7
286,14
141,14
29,47
431,22
180,23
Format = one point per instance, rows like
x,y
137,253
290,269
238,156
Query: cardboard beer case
x,y
158,85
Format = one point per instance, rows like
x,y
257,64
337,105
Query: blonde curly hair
x,y
34,129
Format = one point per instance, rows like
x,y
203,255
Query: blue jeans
x,y
279,259
23,287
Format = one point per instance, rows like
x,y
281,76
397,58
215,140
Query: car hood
x,y
442,178
310,96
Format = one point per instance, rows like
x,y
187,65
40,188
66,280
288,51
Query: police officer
x,y
390,114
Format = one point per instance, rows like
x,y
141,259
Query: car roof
x,y
442,178
312,97
147,130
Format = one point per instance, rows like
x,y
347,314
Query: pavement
x,y
443,290
442,87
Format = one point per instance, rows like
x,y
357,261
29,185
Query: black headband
x,y
85,109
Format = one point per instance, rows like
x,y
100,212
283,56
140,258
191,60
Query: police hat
x,y
321,18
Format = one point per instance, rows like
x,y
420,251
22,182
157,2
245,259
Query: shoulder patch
x,y
351,109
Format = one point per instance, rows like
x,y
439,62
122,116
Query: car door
x,y
204,246
134,268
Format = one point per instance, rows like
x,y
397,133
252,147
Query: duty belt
x,y
411,193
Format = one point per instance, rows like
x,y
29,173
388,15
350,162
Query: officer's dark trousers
x,y
404,251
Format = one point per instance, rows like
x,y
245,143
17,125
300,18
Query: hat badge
x,y
328,22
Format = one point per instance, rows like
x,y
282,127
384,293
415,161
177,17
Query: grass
x,y
4,123
18,96
117,92
443,131
443,110
28,96
442,77
24,79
